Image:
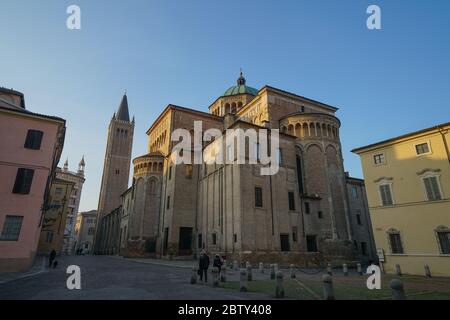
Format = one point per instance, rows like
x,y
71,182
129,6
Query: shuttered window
x,y
396,243
444,241
432,188
11,228
34,139
386,195
24,179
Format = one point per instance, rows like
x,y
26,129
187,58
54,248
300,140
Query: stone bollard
x,y
359,269
194,275
235,265
272,271
427,271
398,270
249,272
292,271
279,292
397,290
328,291
261,267
329,269
223,273
215,277
243,282
345,269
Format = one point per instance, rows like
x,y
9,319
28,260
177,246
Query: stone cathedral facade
x,y
299,215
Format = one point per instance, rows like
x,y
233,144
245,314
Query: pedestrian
x,y
217,262
203,265
55,264
51,258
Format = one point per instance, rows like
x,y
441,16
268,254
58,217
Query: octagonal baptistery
x,y
144,204
321,178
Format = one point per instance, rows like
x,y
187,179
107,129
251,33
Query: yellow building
x,y
408,188
54,223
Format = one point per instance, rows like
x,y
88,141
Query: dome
x,y
240,88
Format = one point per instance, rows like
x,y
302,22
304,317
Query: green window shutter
x,y
435,188
386,196
432,188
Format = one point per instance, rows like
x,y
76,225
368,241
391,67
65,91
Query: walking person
x,y
51,258
218,262
203,265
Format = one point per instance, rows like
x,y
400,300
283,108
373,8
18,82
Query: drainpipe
x,y
443,132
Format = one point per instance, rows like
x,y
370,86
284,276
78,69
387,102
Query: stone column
x,y
235,265
223,273
345,269
328,291
427,271
292,269
329,269
243,281
359,269
397,290
261,267
215,277
194,275
272,271
398,270
279,293
249,272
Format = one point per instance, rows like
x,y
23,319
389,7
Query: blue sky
x,y
385,82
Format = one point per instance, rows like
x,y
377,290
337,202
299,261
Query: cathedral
x,y
303,214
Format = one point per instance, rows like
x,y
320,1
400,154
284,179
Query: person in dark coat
x,y
203,265
51,258
217,262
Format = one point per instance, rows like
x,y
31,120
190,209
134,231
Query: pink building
x,y
30,148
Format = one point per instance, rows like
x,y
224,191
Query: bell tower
x,y
116,167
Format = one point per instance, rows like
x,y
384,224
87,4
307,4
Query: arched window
x,y
291,129
305,130
319,132
395,241
298,129
227,108
312,129
443,236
